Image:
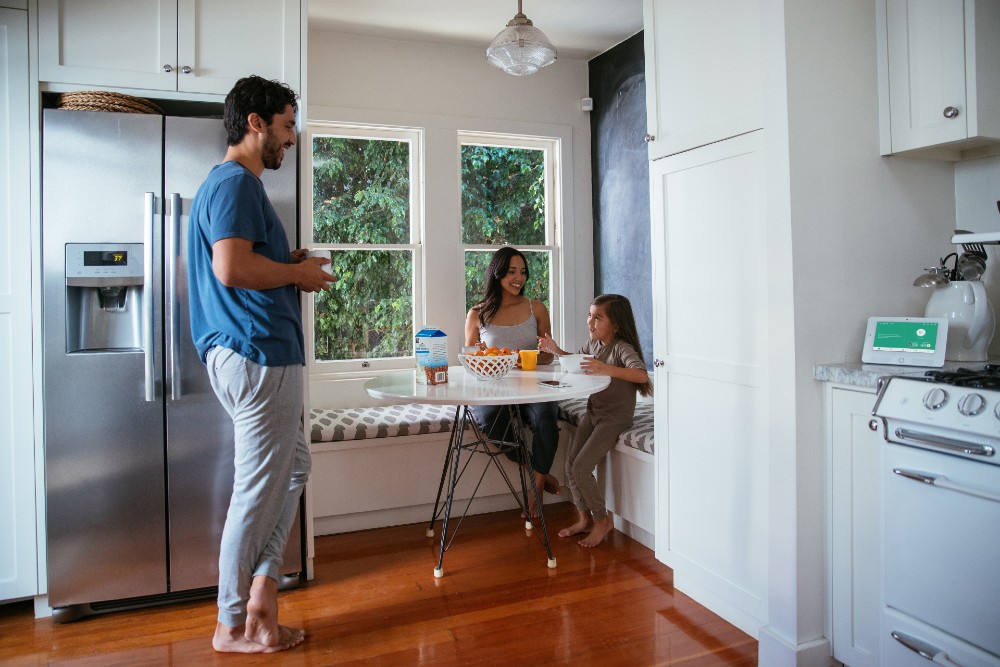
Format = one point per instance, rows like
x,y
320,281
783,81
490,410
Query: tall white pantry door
x,y
18,563
710,321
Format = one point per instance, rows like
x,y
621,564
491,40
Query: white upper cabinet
x,y
195,46
703,72
939,77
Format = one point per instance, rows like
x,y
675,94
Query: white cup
x,y
325,254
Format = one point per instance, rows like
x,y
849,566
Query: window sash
x,y
414,137
551,148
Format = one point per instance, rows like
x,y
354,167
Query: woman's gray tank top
x,y
523,336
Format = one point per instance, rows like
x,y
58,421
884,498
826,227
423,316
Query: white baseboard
x,y
773,651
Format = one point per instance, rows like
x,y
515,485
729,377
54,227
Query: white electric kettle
x,y
970,318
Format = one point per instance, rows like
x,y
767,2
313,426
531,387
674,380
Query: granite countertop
x,y
867,375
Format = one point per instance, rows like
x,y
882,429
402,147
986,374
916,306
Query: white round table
x,y
463,390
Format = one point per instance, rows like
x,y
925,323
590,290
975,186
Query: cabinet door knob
x,y
648,138
658,362
873,424
185,70
168,69
950,112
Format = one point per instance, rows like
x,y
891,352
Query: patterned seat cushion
x,y
379,422
639,437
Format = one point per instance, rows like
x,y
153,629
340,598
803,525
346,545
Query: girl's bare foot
x,y
581,526
598,533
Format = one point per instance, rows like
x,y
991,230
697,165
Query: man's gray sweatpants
x,y
272,465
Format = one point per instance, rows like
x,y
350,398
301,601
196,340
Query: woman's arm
x,y
472,327
544,330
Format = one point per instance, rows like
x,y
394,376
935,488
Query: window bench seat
x,y
385,421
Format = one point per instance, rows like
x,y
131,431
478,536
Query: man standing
x,y
247,327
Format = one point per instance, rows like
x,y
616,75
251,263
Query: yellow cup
x,y
529,359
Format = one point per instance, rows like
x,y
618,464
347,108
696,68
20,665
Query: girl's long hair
x,y
619,311
499,265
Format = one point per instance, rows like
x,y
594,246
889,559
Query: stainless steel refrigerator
x,y
138,450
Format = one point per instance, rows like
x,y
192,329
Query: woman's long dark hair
x,y
619,311
499,265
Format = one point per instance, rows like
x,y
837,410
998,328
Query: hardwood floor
x,y
375,601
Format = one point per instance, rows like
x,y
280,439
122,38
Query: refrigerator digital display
x,y
105,258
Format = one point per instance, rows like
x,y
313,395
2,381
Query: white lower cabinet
x,y
853,493
18,561
710,330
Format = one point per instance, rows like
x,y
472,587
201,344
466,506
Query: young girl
x,y
614,350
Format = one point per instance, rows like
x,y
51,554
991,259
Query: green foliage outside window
x,y
503,196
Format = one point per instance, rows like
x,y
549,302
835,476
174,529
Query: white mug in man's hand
x,y
325,254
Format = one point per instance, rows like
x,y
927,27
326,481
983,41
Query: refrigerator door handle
x,y
147,297
173,300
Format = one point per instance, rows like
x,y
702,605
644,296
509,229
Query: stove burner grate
x,y
987,378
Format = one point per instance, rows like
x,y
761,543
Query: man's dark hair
x,y
254,94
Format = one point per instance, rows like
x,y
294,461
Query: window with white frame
x,y
365,210
509,197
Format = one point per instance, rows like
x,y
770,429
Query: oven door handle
x,y
945,483
948,444
922,648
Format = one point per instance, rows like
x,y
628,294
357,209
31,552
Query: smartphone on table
x,y
554,384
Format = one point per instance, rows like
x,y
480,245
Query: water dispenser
x,y
104,293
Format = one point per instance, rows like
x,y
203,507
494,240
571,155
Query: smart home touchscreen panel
x,y
906,341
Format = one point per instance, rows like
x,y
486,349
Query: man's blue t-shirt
x,y
264,326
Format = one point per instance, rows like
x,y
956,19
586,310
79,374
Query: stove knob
x,y
971,405
935,399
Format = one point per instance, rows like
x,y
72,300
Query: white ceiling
x,y
578,28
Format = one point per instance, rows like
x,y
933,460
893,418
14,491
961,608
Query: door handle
x,y
173,300
147,295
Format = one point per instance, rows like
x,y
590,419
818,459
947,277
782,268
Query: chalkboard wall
x,y
621,182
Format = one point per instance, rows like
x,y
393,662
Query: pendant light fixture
x,y
521,48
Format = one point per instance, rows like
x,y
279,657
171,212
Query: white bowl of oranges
x,y
489,364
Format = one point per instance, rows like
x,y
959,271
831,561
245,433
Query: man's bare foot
x,y
598,533
581,526
262,618
233,640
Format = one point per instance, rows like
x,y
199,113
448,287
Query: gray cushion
x,y
639,437
379,422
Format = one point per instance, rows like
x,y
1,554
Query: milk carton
x,y
431,348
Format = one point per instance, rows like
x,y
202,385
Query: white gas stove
x,y
941,518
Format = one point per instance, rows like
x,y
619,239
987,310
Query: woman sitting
x,y
507,318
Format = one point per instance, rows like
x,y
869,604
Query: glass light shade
x,y
521,49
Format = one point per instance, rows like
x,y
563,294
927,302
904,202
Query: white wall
x,y
977,190
446,88
862,227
